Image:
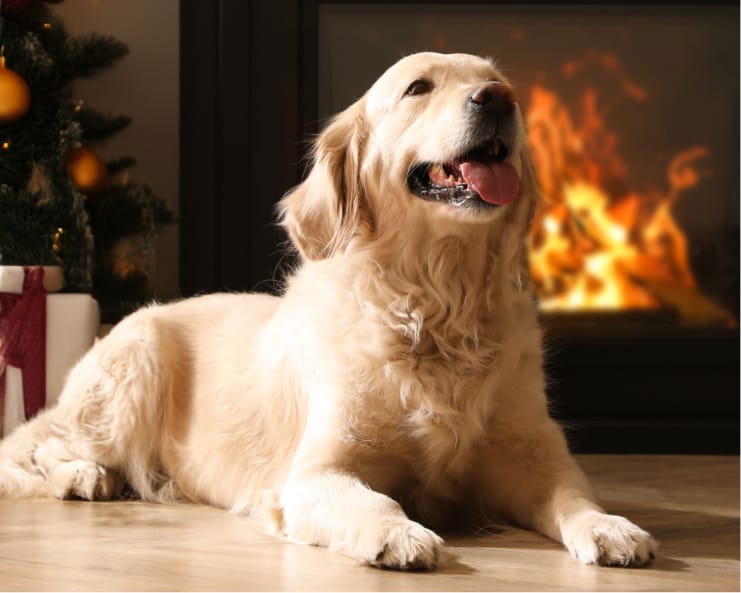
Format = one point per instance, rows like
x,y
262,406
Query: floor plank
x,y
690,504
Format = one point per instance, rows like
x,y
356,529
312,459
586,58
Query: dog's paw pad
x,y
610,540
409,546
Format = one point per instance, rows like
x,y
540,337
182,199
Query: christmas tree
x,y
59,203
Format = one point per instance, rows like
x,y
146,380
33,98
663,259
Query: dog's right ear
x,y
325,212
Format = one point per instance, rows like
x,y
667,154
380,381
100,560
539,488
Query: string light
x,y
56,239
5,145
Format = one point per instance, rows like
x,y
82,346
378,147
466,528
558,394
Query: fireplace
x,y
633,118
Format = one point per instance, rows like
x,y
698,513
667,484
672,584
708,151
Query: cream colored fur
x,y
399,375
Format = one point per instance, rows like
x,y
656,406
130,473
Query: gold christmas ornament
x,y
88,172
15,96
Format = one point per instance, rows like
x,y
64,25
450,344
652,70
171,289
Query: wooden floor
x,y
690,504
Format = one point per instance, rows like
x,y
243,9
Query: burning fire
x,y
596,244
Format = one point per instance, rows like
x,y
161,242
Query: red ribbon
x,y
23,339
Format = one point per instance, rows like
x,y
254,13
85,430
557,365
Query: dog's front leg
x,y
324,505
532,478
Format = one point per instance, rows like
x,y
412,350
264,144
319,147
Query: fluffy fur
x,y
398,377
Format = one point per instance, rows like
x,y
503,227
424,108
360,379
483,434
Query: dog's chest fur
x,y
450,353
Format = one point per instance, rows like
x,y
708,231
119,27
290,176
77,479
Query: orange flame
x,y
596,244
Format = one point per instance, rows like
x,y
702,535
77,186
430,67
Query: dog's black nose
x,y
497,98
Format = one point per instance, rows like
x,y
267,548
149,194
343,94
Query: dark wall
x,y
240,143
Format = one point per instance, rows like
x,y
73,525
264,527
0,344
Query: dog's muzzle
x,y
481,175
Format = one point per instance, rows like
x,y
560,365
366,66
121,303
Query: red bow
x,y
23,339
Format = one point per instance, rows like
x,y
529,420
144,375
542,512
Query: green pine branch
x,y
90,54
26,229
97,127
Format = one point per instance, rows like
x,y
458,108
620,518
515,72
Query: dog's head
x,y
437,142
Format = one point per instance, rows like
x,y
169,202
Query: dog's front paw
x,y
608,540
406,545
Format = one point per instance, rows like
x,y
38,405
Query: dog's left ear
x,y
520,220
325,212
529,185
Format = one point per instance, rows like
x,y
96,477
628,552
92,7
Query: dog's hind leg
x,y
49,457
19,477
69,476
34,464
106,427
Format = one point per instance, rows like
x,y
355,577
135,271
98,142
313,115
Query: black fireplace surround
x,y
249,105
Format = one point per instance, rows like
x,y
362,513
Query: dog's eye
x,y
418,87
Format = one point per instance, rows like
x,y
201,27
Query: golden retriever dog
x,y
394,386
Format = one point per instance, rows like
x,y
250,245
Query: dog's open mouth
x,y
480,176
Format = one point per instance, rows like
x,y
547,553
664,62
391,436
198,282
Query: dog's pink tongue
x,y
496,183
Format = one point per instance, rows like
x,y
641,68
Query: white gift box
x,y
72,322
